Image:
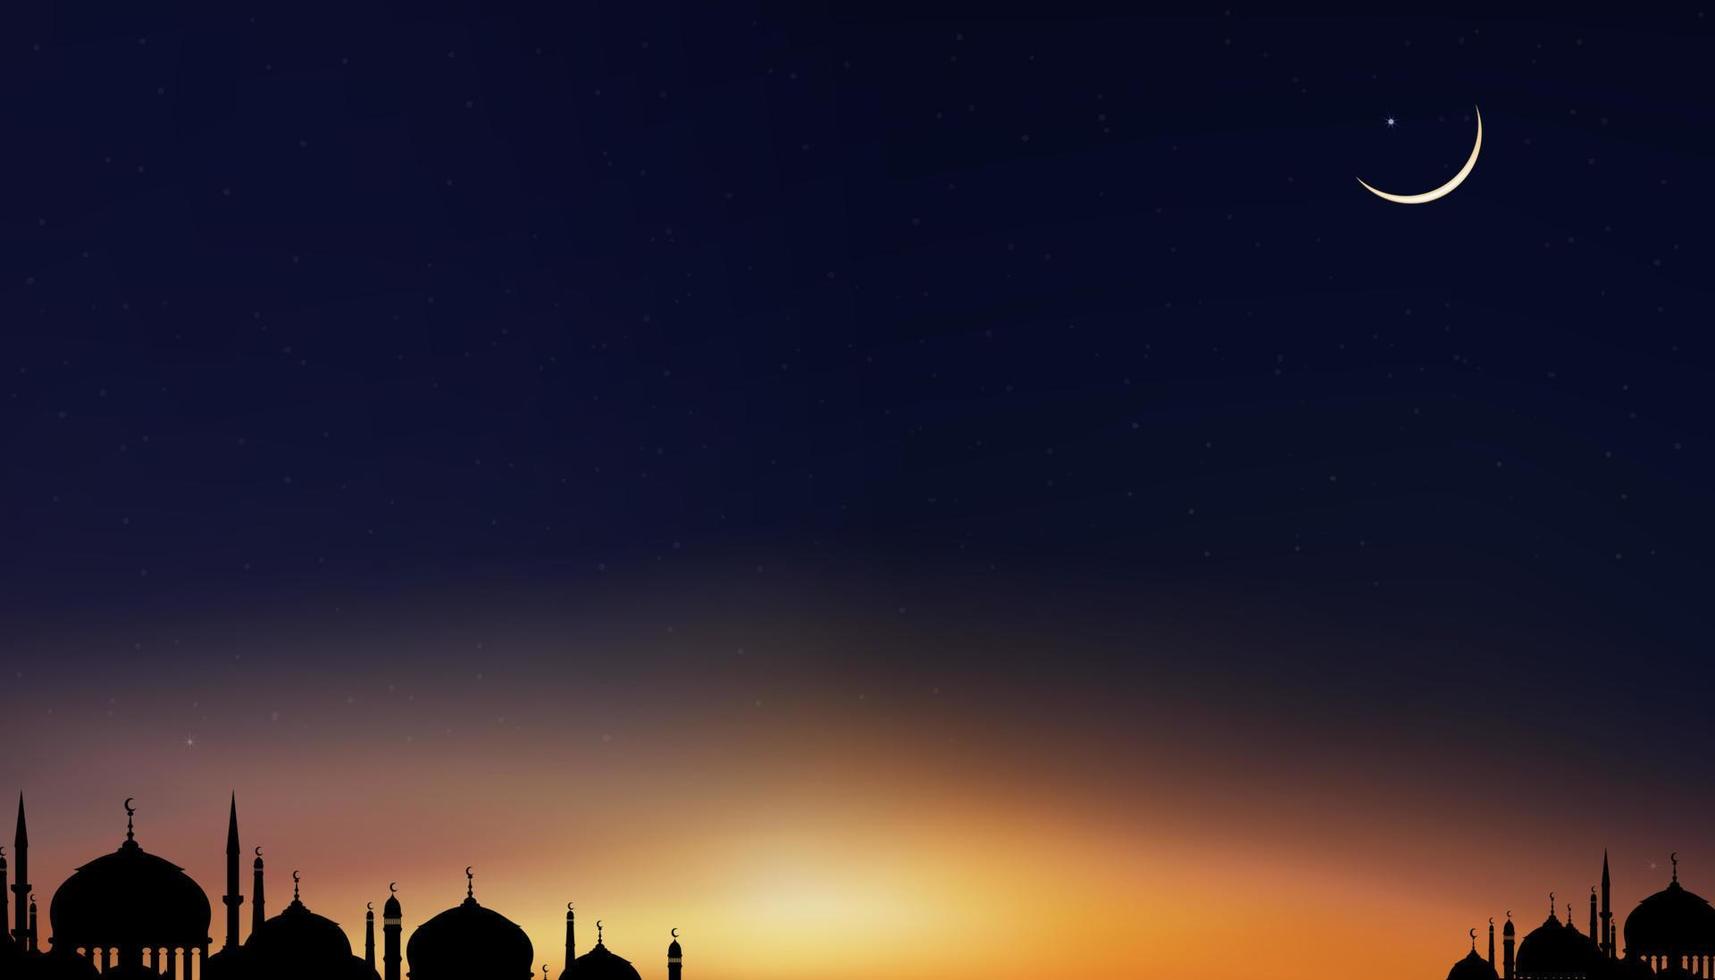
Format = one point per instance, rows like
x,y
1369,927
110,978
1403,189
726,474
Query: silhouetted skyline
x,y
129,913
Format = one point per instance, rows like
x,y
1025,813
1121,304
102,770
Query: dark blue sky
x,y
1086,301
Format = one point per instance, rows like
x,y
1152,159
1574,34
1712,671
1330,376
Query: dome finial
x,y
294,884
675,932
469,883
1472,931
392,888
598,932
1551,905
130,811
1674,857
544,971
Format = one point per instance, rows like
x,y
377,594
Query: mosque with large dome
x,y
1670,934
130,913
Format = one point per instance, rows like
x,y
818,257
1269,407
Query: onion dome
x,y
1553,950
602,963
1672,921
1472,967
299,943
469,942
130,898
391,909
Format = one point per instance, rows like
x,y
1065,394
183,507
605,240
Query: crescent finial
x,y
469,882
370,906
1491,922
598,932
259,851
392,888
1674,857
1551,905
130,811
675,933
294,884
568,906
1473,938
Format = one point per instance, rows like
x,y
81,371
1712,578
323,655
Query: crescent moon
x,y
467,873
675,933
1445,189
392,888
371,906
259,852
128,801
1473,933
568,906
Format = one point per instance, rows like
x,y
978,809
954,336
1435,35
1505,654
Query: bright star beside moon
x,y
1445,189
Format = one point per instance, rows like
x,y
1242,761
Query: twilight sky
x,y
935,495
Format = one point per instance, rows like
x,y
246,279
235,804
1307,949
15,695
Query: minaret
x,y
390,927
1595,936
232,898
1507,948
571,942
258,905
1491,942
21,884
34,948
5,903
369,936
675,957
1607,916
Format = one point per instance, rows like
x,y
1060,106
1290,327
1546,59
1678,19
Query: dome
x,y
129,898
469,942
1472,967
601,963
1672,920
1555,950
299,943
299,933
391,909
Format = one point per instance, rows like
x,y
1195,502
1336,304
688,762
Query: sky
x,y
959,492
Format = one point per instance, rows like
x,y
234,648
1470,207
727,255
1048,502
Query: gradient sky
x,y
937,495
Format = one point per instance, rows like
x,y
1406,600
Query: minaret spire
x,y
676,956
369,936
1607,916
232,899
1507,947
1491,942
258,907
390,929
1595,936
21,883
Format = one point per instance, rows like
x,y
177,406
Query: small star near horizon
x,y
1390,121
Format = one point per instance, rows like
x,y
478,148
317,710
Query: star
x,y
1390,121
190,742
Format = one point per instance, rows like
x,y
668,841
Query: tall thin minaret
x,y
1607,915
1491,942
369,936
258,906
33,947
1507,948
5,903
1595,936
21,883
390,928
675,958
233,899
571,940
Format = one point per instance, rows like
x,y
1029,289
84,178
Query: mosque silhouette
x,y
1669,934
133,914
